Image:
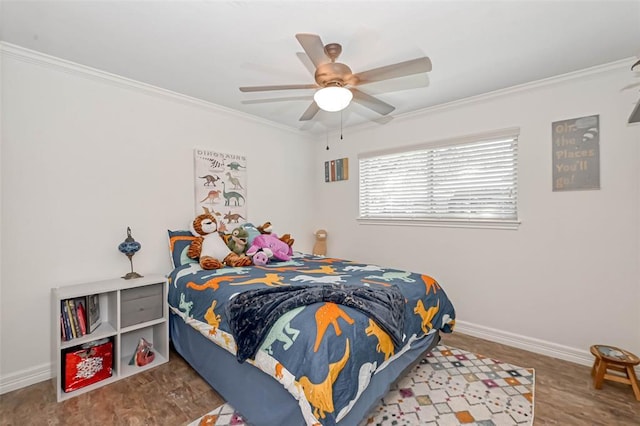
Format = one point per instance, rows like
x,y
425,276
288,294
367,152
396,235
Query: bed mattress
x,y
331,356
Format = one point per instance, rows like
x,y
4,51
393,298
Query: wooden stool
x,y
612,358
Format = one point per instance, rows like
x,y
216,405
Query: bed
x,y
312,340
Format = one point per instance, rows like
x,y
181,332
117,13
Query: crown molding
x,y
58,64
545,82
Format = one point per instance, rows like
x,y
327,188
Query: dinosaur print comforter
x,y
323,353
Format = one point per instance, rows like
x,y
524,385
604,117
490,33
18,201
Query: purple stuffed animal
x,y
280,249
261,257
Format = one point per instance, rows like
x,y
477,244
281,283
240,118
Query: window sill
x,y
445,223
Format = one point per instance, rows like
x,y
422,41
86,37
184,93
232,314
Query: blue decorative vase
x,y
129,247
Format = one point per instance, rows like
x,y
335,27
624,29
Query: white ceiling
x,y
207,49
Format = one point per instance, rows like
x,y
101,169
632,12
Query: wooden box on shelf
x,y
123,312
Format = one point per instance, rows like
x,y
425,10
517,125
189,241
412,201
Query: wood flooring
x,y
564,393
173,394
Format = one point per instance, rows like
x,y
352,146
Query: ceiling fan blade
x,y
310,112
304,59
270,100
631,86
635,114
281,87
401,69
383,120
372,103
415,81
312,45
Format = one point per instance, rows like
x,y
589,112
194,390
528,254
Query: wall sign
x,y
576,153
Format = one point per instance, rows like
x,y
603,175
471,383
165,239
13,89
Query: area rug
x,y
449,386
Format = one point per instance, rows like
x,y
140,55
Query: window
x,y
469,181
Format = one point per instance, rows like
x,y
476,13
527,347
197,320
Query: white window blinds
x,y
470,179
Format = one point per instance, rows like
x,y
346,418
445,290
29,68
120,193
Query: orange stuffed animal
x,y
209,247
267,228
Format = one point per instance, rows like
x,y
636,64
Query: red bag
x,y
143,354
87,364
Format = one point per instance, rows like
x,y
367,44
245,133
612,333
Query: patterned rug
x,y
448,387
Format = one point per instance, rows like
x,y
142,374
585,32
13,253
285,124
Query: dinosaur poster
x,y
220,182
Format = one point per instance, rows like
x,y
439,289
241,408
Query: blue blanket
x,y
252,314
323,352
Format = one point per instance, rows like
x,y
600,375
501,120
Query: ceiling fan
x,y
336,83
635,114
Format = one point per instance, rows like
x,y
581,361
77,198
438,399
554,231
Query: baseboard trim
x,y
44,372
24,378
543,347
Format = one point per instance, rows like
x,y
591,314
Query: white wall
x,y
569,276
84,155
1,202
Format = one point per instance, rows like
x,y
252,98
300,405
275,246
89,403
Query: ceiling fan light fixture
x,y
333,99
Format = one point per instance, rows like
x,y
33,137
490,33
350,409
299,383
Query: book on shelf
x,y
82,315
92,307
65,319
69,312
79,316
63,331
74,317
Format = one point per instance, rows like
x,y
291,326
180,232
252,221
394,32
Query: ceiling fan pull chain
x,y
341,125
327,139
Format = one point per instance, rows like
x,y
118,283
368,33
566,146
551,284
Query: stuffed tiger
x,y
209,247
